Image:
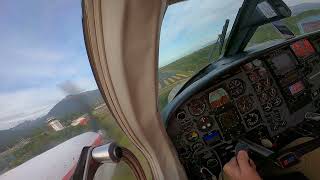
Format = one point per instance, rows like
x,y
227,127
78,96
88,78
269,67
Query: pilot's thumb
x,y
243,160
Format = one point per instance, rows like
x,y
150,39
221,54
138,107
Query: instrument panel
x,y
260,99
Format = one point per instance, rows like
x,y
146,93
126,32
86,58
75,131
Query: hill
x,y
67,108
76,104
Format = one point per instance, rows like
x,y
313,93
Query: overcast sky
x,y
42,46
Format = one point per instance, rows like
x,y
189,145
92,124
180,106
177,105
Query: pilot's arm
x,y
241,168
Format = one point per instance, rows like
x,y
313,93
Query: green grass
x,y
267,32
42,141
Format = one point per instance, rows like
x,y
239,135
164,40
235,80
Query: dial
x,y
196,107
236,87
229,119
267,82
267,107
245,103
276,101
253,76
252,119
181,115
272,92
258,87
263,98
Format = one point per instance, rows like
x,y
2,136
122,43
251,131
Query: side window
x,y
305,19
50,106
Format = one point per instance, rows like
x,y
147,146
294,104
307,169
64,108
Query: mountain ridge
x,y
65,109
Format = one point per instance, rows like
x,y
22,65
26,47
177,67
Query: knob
x,y
266,143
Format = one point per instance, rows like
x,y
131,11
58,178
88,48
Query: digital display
x,y
296,87
218,98
302,48
283,63
212,137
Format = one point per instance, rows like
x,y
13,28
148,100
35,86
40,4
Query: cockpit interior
x,y
264,97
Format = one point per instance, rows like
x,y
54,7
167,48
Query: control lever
x,y
312,116
254,147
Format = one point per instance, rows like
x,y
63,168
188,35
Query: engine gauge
x,y
277,102
258,87
236,87
263,98
205,123
196,107
267,82
267,107
253,76
245,104
272,92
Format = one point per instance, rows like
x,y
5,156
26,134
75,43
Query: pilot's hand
x,y
241,168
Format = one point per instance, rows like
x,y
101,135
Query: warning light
x,y
303,48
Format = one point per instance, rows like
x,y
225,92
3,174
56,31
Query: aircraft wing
x,y
56,163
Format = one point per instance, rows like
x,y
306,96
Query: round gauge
x,y
258,87
262,72
277,102
196,107
205,124
253,76
267,107
257,63
229,119
272,92
244,104
252,119
264,98
236,87
248,67
266,82
181,115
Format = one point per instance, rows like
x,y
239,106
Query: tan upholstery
x,y
122,39
308,165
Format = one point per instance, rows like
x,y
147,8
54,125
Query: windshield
x,y
188,40
188,36
305,18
